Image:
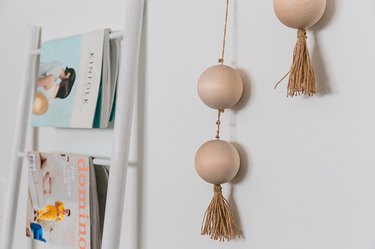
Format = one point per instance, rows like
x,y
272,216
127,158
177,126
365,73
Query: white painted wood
x,y
23,113
122,129
116,35
126,90
2,193
99,161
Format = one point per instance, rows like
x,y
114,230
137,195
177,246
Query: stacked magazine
x,y
76,81
66,200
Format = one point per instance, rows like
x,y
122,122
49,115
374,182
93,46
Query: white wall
x,y
307,176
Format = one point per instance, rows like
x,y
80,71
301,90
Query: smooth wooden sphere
x,y
220,87
40,104
217,161
299,14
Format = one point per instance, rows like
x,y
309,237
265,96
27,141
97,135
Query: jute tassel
x,y
302,76
219,222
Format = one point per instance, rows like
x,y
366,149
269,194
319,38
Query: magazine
x,y
66,200
76,81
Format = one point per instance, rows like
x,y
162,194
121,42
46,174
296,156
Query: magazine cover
x,y
58,205
68,81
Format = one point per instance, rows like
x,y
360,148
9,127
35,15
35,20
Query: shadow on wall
x,y
243,172
317,56
244,100
246,95
244,160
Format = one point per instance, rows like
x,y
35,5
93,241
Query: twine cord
x,y
301,33
221,59
218,123
282,79
219,222
302,79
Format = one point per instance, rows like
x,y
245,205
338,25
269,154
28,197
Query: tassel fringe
x,y
219,222
302,78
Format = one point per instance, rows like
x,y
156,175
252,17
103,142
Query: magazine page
x,y
111,61
115,50
96,239
101,178
86,98
68,81
58,210
106,82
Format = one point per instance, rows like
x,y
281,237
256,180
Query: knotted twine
x,y
219,222
302,78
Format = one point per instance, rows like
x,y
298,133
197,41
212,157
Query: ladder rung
x,y
116,34
35,52
98,161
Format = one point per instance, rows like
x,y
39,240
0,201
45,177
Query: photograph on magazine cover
x,y
58,208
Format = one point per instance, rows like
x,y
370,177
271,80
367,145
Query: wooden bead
x,y
220,87
217,161
299,14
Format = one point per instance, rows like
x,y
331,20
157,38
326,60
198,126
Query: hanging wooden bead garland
x,y
217,161
300,14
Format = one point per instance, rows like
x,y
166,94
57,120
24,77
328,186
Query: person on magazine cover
x,y
53,82
36,231
55,212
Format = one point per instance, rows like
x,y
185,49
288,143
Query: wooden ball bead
x,y
217,161
299,14
220,87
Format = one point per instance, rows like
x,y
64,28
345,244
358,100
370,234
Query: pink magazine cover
x,y
58,211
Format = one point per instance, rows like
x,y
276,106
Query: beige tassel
x,y
219,222
302,76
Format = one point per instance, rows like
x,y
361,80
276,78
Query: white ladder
x,y
126,89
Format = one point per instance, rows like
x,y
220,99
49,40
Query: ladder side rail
x,y
21,127
126,91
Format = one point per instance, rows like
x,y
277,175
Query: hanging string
x,y
221,59
218,123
